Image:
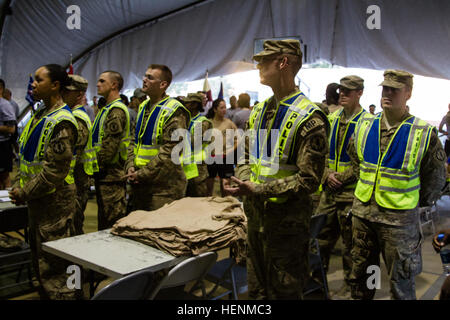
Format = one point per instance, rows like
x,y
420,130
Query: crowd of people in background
x,y
124,145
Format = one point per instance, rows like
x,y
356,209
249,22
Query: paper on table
x,y
4,193
6,199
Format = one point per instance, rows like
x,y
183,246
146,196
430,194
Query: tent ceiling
x,y
192,36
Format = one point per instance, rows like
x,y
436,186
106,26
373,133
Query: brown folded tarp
x,y
189,226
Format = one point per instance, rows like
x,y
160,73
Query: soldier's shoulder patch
x,y
440,155
113,126
318,142
311,124
58,147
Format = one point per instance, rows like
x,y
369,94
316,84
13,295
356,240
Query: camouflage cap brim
x,y
257,57
392,84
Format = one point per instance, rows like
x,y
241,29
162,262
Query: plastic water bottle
x,y
445,255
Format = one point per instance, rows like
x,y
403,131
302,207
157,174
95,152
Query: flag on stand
x,y
220,96
207,90
29,96
70,66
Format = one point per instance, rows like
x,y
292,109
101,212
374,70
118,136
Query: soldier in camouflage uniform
x,y
278,202
110,137
199,125
339,181
155,177
73,95
399,161
44,179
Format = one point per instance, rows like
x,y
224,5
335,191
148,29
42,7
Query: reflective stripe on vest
x,y
88,156
395,174
195,130
98,130
338,159
195,155
34,142
148,135
270,162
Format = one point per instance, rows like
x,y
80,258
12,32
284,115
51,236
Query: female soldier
x,y
44,179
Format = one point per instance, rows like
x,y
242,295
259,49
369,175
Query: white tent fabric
x,y
218,35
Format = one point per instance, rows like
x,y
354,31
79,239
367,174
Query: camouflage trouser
x,y
51,218
277,265
81,202
143,199
315,197
401,250
338,224
112,204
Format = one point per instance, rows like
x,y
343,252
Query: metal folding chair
x,y
13,220
227,274
191,269
135,286
315,259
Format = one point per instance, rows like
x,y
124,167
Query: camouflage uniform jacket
x,y
432,180
310,151
114,125
81,178
346,177
56,164
161,176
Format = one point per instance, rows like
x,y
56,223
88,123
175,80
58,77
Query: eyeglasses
x,y
150,77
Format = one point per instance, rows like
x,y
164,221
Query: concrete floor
x,y
428,283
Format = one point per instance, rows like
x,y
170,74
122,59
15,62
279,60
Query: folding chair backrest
x,y
193,268
134,286
316,224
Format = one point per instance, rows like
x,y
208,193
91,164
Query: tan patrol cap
x,y
77,83
194,97
290,46
397,79
352,83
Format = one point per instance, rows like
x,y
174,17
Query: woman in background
x,y
223,158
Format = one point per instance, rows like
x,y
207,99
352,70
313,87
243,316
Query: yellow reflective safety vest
x,y
195,155
88,156
271,145
338,159
98,130
148,135
34,142
195,126
394,176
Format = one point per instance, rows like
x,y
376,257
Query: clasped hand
x,y
242,188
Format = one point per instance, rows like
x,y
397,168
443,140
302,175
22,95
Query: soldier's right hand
x,y
446,240
333,182
131,175
14,195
